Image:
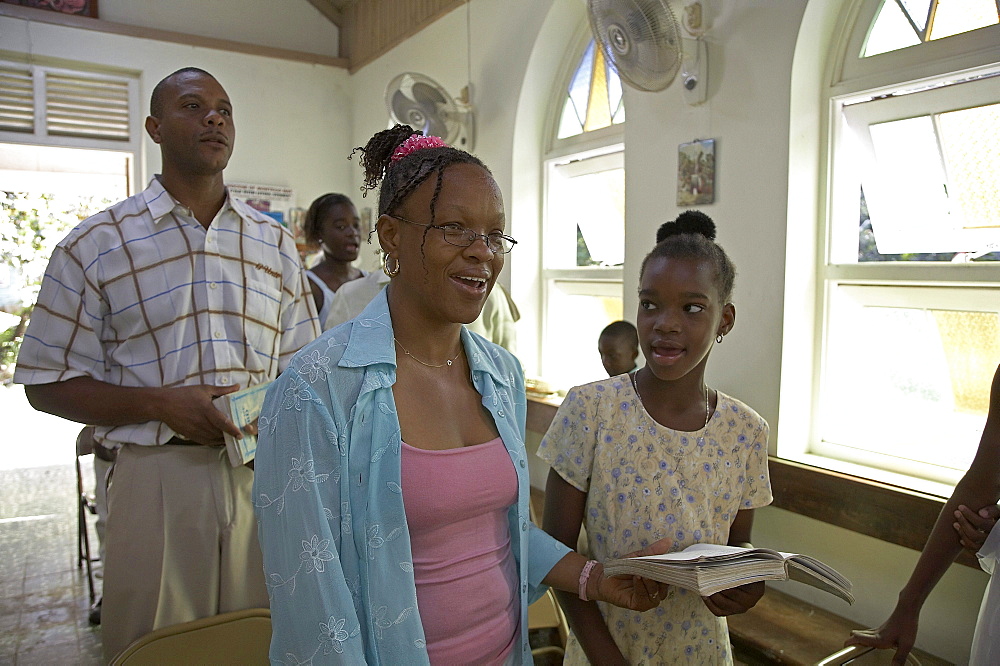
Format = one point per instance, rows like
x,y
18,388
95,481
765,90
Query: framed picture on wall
x,y
76,7
696,172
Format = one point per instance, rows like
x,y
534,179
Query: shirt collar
x,y
371,342
161,203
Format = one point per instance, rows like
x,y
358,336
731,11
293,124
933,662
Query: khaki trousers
x,y
181,541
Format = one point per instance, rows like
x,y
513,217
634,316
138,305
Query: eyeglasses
x,y
460,236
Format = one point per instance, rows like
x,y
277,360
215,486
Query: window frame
x,y
852,78
40,135
600,145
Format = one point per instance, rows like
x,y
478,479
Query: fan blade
x,y
406,111
426,94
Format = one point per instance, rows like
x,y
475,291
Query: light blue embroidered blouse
x,y
330,508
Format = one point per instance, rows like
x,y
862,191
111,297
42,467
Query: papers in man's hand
x,y
242,408
707,569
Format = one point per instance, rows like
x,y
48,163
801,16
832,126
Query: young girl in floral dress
x,y
657,453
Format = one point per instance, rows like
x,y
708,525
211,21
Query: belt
x,y
180,441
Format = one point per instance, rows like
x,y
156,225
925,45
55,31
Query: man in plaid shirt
x,y
149,310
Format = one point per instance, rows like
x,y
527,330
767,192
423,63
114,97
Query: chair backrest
x,y
863,655
239,637
546,613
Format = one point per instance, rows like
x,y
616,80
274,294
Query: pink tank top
x,y
456,503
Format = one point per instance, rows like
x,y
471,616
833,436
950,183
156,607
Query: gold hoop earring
x,y
385,266
718,338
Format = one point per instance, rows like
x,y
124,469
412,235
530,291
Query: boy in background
x,y
618,345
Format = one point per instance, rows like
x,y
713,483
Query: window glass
x,y
583,229
953,17
929,181
589,209
903,23
577,312
915,380
594,97
890,32
909,283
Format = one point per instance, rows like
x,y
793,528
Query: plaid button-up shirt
x,y
143,295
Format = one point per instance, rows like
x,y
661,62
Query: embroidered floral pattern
x,y
644,482
315,553
329,503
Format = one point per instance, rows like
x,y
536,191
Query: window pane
x,y
570,123
615,98
890,31
907,198
917,11
576,315
910,383
933,194
971,142
598,106
594,98
586,209
578,96
957,16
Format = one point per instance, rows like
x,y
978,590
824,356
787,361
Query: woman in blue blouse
x,y
391,533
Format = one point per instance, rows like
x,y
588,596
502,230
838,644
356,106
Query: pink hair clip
x,y
414,143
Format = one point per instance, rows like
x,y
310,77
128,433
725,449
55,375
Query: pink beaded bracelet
x,y
584,576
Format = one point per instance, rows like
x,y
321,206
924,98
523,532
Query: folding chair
x,y
860,655
544,614
240,637
85,505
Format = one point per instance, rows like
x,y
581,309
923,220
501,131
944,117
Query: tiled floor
x,y
44,599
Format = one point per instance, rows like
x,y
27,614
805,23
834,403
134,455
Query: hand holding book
x,y
735,600
630,591
708,569
243,409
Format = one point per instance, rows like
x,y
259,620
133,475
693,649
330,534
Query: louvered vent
x,y
89,108
17,100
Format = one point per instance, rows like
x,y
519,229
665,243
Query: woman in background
x,y
333,224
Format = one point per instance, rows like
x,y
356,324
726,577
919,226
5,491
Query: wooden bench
x,y
782,629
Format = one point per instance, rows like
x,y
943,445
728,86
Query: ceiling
x,y
369,28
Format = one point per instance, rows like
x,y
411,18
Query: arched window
x,y
594,99
900,24
909,276
583,234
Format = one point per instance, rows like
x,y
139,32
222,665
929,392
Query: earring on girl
x,y
718,338
385,266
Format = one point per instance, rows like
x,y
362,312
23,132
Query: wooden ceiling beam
x,y
328,9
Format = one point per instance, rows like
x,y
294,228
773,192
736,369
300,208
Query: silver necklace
x,y
635,385
429,365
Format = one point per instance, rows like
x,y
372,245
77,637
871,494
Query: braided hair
x,y
692,236
312,226
400,178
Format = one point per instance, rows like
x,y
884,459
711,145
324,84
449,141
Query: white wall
x,y
291,117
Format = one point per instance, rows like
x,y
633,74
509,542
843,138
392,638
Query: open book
x,y
707,569
242,407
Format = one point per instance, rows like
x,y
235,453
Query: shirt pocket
x,y
262,324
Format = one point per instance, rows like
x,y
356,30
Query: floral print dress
x,y
645,481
